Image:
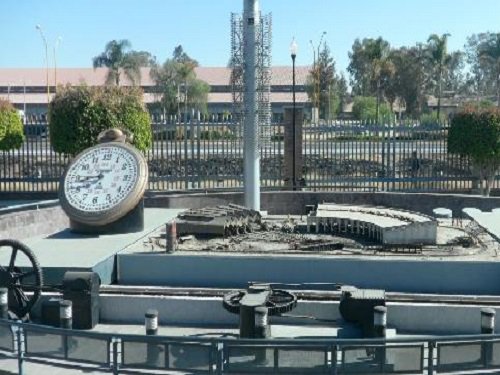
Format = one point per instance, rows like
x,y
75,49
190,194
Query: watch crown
x,y
114,135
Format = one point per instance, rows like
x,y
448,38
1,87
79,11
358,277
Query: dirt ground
x,y
288,235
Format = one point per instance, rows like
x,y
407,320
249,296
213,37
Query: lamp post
x,y
39,28
56,44
293,52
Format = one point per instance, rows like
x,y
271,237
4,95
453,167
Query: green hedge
x,y
11,127
476,133
78,114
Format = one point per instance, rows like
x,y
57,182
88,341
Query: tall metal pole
x,y
24,98
251,22
39,28
56,44
294,137
314,72
318,83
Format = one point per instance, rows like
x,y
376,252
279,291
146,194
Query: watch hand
x,y
91,177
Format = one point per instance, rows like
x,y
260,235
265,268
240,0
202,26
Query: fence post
x,y
115,355
20,353
487,328
333,365
219,364
430,357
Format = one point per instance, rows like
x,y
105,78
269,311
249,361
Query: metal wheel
x,y
21,277
279,301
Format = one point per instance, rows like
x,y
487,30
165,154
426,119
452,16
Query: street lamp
x,y
293,52
56,44
39,28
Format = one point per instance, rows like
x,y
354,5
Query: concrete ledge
x,y
235,271
407,318
21,222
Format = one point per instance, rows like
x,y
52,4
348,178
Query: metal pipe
x,y
251,182
66,314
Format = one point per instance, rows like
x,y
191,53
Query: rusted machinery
x,y
224,221
255,305
357,306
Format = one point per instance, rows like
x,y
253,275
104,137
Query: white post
x,y
251,21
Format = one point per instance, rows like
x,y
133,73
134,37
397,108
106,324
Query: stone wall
x,y
287,202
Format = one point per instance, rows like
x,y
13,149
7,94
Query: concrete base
x,y
66,251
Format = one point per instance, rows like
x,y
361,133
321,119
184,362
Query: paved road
x,y
310,148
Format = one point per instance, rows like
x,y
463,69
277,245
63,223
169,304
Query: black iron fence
x,y
340,155
121,353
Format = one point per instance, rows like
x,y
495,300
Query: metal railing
x,y
340,155
120,353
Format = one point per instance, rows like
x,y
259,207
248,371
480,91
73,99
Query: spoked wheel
x,y
19,277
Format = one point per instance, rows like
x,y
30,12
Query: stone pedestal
x,y
290,146
132,222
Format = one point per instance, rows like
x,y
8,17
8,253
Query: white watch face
x,y
101,178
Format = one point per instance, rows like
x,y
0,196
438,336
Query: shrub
x,y
364,109
475,133
477,104
431,119
78,114
11,127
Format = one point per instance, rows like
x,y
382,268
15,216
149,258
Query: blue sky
x,y
203,27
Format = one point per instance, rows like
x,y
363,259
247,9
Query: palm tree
x,y
438,47
489,53
117,60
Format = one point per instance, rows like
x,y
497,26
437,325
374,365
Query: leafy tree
x,y
477,81
382,68
371,68
364,109
440,59
453,79
78,114
176,82
489,54
342,93
11,127
360,68
117,59
322,83
476,134
411,78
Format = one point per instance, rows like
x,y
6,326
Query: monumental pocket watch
x,y
103,183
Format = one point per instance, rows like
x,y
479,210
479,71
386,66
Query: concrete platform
x,y
62,251
490,221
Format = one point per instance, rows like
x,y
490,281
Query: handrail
x,y
116,341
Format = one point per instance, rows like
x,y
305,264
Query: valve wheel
x,y
279,301
19,278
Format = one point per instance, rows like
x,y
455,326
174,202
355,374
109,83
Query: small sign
x,y
251,21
